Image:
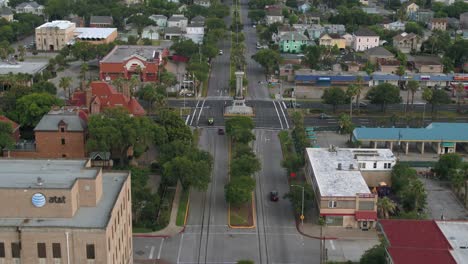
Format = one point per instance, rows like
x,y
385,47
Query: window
x,y
2,250
331,204
389,165
90,254
375,165
362,165
63,141
385,165
15,250
56,251
41,250
62,129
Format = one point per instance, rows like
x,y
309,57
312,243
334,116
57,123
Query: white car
x,y
220,52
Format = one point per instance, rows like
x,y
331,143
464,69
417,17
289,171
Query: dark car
x,y
274,196
220,131
324,116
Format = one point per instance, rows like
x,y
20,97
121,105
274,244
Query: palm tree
x,y
359,81
400,72
460,88
21,51
118,83
83,70
412,87
351,92
386,207
65,83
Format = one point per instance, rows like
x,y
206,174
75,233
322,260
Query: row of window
x,y
362,165
42,252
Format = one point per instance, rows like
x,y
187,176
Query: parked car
x,y
220,52
274,197
220,131
324,116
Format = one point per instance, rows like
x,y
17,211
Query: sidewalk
x,y
171,229
333,233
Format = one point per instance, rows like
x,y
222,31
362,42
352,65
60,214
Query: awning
x,y
448,144
366,215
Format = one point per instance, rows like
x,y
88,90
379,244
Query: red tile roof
x,y
416,241
14,125
366,215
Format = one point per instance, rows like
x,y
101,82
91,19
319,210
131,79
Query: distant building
x,y
30,7
101,95
332,40
423,16
173,33
293,42
464,20
160,20
438,24
179,21
407,43
334,29
198,20
377,53
303,6
64,211
6,13
195,32
426,64
150,32
348,40
274,15
411,9
95,35
204,3
445,2
388,66
341,178
101,21
55,35
61,133
127,61
365,39
395,26
14,126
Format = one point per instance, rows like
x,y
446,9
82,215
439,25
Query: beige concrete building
x,y
64,212
54,35
341,179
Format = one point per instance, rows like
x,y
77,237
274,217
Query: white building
x,y
160,20
395,26
446,2
30,7
365,39
274,15
204,3
341,177
150,32
179,21
195,32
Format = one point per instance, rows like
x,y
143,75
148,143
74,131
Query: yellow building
x,y
332,40
54,35
64,212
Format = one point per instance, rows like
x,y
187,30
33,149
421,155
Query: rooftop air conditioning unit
x,y
339,166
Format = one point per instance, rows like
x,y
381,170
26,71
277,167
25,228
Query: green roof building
x,y
292,42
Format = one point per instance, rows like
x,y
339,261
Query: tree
x,y
6,135
30,108
167,78
185,48
84,51
295,196
413,196
239,190
414,27
460,90
5,49
84,68
245,262
213,23
244,165
435,98
359,82
256,15
384,94
22,52
412,87
174,126
346,124
195,173
386,207
401,175
65,83
351,91
268,58
240,129
374,255
334,96
44,87
447,165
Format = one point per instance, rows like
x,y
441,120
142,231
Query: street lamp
x,y
302,210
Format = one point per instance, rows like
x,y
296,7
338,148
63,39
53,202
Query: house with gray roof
x,y
173,32
377,53
6,13
160,20
198,19
101,21
179,21
30,7
204,3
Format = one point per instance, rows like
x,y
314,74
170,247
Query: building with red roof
x,y
101,95
16,132
416,242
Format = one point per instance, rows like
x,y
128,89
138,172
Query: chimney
x,y
126,89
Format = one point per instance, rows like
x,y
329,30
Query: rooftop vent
x,y
339,166
40,181
351,166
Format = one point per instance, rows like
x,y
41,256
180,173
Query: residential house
x,y
395,26
127,61
464,20
30,7
150,32
287,71
453,23
303,6
364,2
334,29
195,32
309,18
352,62
79,21
388,66
348,40
6,13
101,21
411,9
15,132
61,133
423,16
426,64
406,43
274,15
438,24
204,3
445,2
198,20
55,35
377,53
173,33
101,95
314,31
4,3
365,39
293,42
160,20
179,21
332,40
282,30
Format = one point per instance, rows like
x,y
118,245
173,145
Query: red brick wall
x,y
49,145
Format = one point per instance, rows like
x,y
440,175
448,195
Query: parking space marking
x,y
151,253
180,247
160,249
332,244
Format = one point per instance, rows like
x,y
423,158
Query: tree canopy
x,y
6,138
268,58
334,96
30,108
239,190
384,94
240,129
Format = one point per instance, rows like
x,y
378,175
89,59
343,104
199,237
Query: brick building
x,y
64,211
60,134
101,21
127,61
101,95
438,24
16,132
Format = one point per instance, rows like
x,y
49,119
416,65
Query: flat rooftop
x,y
456,233
56,174
61,24
22,67
434,132
346,181
85,217
124,52
86,33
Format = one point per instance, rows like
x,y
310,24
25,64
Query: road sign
x,y
302,217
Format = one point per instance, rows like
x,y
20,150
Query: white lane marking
x,y
201,110
180,247
194,113
151,253
284,105
187,119
332,244
285,120
277,113
160,249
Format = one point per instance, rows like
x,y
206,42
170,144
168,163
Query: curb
x,y
187,209
314,237
253,217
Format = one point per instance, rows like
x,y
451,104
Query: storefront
x,y
366,219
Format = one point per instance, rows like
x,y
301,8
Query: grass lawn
x,y
242,216
141,230
183,203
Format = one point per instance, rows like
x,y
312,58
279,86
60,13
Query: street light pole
x,y
302,204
